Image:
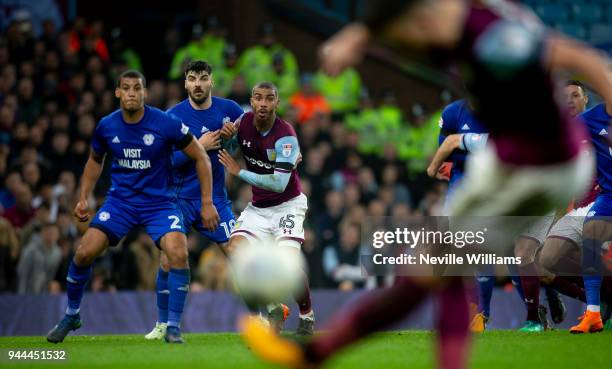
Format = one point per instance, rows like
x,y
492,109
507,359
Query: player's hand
x,y
210,140
345,49
228,131
210,217
229,163
81,211
443,172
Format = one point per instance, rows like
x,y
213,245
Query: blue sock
x,y
75,286
516,280
178,284
485,287
163,294
592,269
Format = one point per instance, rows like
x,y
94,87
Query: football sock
x,y
303,298
163,294
516,280
567,288
453,327
374,311
75,286
485,287
531,288
178,284
592,267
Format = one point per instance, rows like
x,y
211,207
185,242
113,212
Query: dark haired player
x,y
501,48
140,140
205,115
271,151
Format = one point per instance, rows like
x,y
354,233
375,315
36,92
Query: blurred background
x,y
366,135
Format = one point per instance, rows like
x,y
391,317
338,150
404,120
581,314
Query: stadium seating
x,y
600,32
552,12
576,30
587,13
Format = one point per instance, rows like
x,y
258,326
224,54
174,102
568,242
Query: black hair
x,y
198,66
573,82
132,73
266,85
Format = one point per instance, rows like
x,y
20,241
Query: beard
x,y
199,100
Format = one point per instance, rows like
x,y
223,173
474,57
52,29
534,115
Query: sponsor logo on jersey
x,y
226,120
287,148
184,129
271,154
603,132
465,126
116,140
148,139
246,143
259,163
104,216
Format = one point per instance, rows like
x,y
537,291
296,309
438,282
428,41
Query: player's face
x,y
198,86
575,99
131,94
264,102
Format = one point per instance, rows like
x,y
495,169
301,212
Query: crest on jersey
x,y
271,154
184,129
104,216
226,120
148,139
287,149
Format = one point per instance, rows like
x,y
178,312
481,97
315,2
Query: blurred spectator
x,y
213,270
326,225
285,80
307,101
9,253
7,194
120,53
39,261
146,256
223,75
341,261
240,93
341,91
22,212
257,62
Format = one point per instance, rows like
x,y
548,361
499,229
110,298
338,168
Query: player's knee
x,y
234,243
526,249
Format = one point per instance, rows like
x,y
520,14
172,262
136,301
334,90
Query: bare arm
x,y
195,151
567,54
91,173
449,144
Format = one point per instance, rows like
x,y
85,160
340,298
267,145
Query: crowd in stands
x,y
362,156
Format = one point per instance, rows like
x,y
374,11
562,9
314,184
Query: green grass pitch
x,y
405,349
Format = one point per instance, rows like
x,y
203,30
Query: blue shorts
x,y
190,209
116,218
601,209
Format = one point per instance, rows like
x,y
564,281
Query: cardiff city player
x,y
271,151
597,227
140,140
534,163
205,115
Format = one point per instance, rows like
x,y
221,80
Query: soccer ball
x,y
267,273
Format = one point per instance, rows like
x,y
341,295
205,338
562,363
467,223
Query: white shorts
x,y
538,229
282,221
492,188
570,226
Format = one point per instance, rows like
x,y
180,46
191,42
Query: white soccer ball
x,y
267,273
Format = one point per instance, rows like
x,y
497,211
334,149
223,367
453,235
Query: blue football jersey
x,y
141,154
458,118
598,124
185,177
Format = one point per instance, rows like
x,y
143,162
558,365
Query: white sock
x,y
308,315
70,311
593,308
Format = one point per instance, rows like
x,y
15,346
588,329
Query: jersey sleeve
x,y
471,142
287,153
177,132
98,141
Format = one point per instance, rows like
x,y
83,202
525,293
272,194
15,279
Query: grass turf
x,y
406,349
